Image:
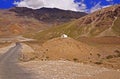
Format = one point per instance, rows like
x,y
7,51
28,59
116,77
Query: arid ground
x,y
26,59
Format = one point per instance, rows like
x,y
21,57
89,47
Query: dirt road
x,y
9,69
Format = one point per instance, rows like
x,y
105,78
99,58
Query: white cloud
x,y
61,4
82,7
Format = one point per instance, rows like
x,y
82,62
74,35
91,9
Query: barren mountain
x,y
10,24
49,15
104,22
20,20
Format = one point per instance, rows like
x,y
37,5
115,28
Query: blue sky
x,y
89,4
4,4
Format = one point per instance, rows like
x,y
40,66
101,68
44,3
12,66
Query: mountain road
x,y
9,69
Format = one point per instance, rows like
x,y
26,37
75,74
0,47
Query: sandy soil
x,y
101,40
106,46
68,70
26,48
27,53
14,39
6,48
68,49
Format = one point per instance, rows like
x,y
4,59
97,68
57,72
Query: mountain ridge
x,y
104,22
49,15
18,20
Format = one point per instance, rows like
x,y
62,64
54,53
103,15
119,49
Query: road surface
x,y
9,69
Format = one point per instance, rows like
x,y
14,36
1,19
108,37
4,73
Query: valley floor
x,y
68,70
107,68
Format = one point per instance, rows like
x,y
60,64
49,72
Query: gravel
x,y
68,70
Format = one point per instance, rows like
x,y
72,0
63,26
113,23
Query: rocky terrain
x,y
21,20
89,51
45,69
66,49
10,24
68,70
48,15
104,22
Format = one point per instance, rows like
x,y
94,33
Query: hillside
x,y
48,15
19,20
10,24
64,48
100,53
104,22
68,48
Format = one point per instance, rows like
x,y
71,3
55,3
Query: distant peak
x,y
48,15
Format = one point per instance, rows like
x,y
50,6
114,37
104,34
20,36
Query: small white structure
x,y
64,36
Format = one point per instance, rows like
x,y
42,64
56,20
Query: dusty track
x,y
9,69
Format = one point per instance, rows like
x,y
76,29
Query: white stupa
x,y
64,36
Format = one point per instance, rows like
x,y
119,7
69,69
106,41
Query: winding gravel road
x,y
9,69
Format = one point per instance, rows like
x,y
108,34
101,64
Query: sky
x,y
74,5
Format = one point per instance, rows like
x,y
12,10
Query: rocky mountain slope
x,y
19,20
104,22
10,24
49,15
